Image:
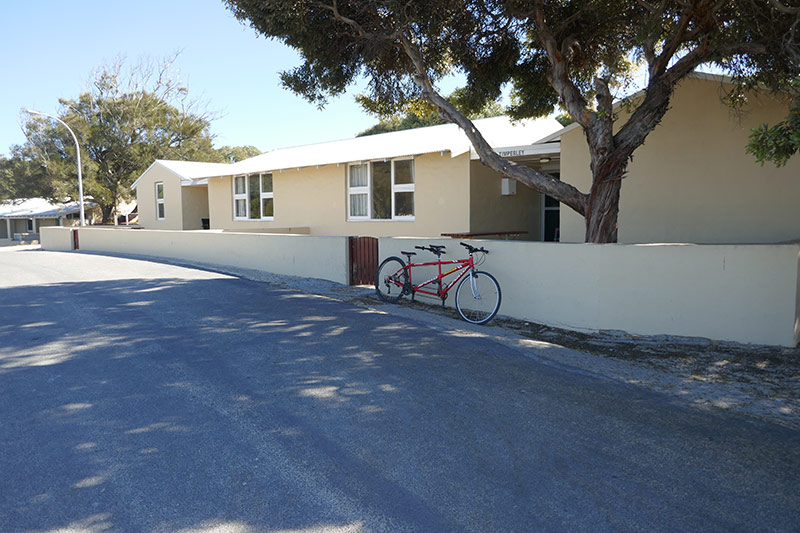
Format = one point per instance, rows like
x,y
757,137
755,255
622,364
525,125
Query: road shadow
x,y
175,404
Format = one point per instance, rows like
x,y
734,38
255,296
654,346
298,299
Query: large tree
x,y
575,54
128,118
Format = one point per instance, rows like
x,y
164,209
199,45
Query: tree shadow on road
x,y
174,404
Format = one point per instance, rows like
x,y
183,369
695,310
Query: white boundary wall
x,y
296,255
741,293
57,238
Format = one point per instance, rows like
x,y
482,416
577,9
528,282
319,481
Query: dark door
x,y
363,260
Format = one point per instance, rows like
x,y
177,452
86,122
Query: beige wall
x,y
316,198
56,238
173,199
297,255
491,211
692,181
194,200
741,293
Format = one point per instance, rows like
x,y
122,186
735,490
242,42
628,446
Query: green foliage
x,y
420,114
23,177
232,154
780,142
496,43
575,54
123,123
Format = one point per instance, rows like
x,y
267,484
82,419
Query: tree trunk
x,y
603,206
107,211
601,219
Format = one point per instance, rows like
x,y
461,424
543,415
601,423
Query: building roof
x,y
190,172
37,208
498,131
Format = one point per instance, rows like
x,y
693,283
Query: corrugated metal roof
x,y
37,208
498,131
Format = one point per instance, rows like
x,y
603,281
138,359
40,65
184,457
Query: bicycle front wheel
x,y
391,279
478,297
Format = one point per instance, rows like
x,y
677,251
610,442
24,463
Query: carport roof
x,y
36,208
498,131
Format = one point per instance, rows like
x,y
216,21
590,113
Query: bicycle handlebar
x,y
438,250
472,249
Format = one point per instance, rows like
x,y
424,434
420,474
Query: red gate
x,y
363,260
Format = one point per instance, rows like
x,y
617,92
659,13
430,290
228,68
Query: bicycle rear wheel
x,y
478,297
391,279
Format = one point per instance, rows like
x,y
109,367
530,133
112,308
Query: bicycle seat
x,y
409,254
437,247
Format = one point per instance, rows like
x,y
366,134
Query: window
x,y
381,190
253,198
160,200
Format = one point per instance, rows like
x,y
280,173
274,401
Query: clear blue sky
x,y
50,48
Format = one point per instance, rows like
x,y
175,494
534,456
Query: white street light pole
x,y
77,152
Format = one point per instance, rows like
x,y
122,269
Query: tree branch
x,y
540,181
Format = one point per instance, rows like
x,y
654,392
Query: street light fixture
x,y
77,152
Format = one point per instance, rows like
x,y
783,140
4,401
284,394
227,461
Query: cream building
x,y
422,182
691,182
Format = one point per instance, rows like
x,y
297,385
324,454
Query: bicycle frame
x,y
464,266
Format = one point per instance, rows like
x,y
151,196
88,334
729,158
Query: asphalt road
x,y
138,396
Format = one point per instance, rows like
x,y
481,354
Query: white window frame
x,y
246,196
403,187
367,189
264,195
240,196
361,189
160,201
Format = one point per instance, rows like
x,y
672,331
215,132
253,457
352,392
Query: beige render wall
x,y
195,206
297,255
56,238
173,199
315,198
491,211
740,293
692,181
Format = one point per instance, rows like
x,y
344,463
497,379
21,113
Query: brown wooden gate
x,y
363,260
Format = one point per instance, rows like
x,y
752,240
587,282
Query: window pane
x,y
241,209
266,182
254,196
358,205
160,210
238,185
160,191
403,172
404,204
358,175
381,190
267,207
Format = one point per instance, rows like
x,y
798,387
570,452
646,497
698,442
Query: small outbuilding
x,y
23,216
